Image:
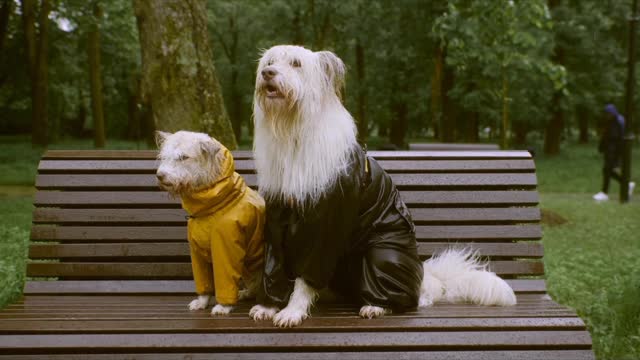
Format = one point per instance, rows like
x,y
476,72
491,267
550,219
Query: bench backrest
x,y
452,147
99,215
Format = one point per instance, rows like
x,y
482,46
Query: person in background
x,y
611,146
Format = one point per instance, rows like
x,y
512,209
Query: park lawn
x,y
592,261
592,264
15,224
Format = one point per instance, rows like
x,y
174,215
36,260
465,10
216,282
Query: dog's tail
x,y
458,275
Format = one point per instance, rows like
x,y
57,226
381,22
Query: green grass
x,y
15,222
578,170
593,265
592,262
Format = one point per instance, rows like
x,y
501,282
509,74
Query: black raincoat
x,y
359,240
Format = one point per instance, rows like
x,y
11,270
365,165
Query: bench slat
x,y
315,323
173,301
149,181
182,270
248,166
173,233
452,146
466,198
408,155
170,312
176,309
355,355
177,216
292,342
97,251
160,198
80,287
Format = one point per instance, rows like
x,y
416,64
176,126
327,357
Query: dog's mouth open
x,y
272,91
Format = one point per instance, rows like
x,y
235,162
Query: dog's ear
x,y
209,148
335,70
161,136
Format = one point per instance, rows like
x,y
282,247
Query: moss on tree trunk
x,y
179,82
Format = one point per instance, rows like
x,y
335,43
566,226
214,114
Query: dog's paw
x,y
425,301
220,309
259,312
200,303
289,317
370,311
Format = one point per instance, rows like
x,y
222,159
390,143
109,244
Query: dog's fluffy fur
x,y
303,135
191,162
457,275
302,132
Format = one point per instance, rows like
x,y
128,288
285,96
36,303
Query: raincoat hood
x,y
228,188
611,109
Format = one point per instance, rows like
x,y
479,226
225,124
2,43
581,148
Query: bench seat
x,y
110,274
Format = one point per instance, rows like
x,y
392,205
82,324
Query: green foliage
x,y
68,68
489,43
576,47
592,36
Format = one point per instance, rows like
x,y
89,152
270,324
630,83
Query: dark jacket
x,y
359,239
612,140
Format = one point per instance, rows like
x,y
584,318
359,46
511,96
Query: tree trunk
x,y
472,120
436,91
134,125
400,123
363,126
553,131
298,35
448,119
5,13
37,48
505,111
95,78
29,29
179,82
520,131
236,97
583,124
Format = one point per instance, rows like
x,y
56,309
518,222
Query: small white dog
x,y
335,218
226,217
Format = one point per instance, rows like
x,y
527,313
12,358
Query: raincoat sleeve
x,y
201,268
309,243
228,258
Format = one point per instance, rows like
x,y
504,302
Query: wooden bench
x,y
453,147
116,247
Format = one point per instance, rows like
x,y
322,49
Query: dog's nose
x,y
161,175
269,73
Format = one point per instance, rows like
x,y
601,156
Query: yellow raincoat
x,y
225,233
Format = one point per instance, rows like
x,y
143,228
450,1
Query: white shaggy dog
x,y
304,150
226,217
